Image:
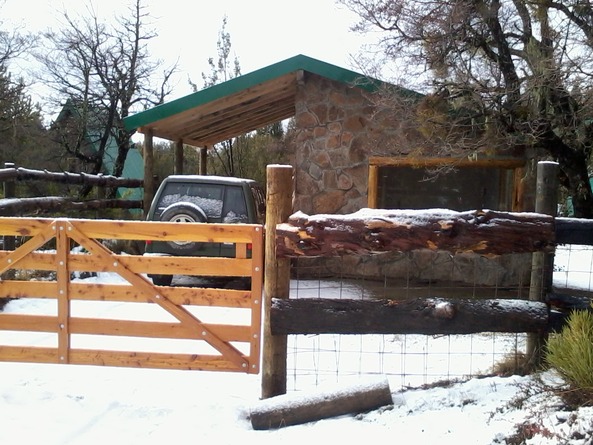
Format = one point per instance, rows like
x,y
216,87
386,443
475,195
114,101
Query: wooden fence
x,y
10,175
483,232
66,247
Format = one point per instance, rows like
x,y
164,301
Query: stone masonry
x,y
334,130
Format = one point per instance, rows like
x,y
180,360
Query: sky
x,y
88,405
262,32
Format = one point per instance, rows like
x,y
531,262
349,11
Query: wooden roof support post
x,y
203,166
373,187
148,157
178,164
277,278
542,264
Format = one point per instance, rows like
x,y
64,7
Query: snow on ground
x,y
66,404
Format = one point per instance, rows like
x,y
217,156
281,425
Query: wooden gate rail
x,y
229,341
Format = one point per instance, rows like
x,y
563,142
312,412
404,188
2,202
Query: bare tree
x,y
504,75
223,68
20,120
104,71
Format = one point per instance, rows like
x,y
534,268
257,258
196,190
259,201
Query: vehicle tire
x,y
184,212
162,280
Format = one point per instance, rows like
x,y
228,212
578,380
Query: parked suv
x,y
203,199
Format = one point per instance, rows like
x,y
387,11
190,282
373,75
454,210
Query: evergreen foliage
x,y
570,353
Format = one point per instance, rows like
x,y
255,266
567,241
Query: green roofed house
x,y
70,117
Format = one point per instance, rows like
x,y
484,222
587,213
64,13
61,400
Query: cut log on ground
x,y
428,316
285,410
483,232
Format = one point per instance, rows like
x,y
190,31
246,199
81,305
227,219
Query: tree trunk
x,y
429,316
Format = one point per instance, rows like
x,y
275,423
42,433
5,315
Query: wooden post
x,y
178,164
148,170
9,241
9,192
277,278
542,264
373,190
203,166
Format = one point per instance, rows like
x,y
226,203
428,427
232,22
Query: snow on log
x,y
291,409
429,316
483,232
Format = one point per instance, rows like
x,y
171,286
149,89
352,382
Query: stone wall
x,y
335,124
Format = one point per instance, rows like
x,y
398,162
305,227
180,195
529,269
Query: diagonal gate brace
x,y
114,264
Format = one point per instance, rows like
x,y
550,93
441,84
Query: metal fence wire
x,y
417,360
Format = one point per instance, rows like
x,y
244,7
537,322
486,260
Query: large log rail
x,y
483,232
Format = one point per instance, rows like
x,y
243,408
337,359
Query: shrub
x,y
571,354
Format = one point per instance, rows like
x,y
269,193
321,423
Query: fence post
x,y
149,184
9,192
542,264
279,193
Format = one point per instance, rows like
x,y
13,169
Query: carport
x,y
230,109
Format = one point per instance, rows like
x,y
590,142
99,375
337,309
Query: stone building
x,y
337,167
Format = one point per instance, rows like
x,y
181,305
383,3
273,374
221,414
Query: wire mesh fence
x,y
416,360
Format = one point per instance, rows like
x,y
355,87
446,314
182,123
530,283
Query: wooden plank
x,y
31,323
63,280
116,358
177,265
201,266
164,231
134,230
11,260
179,295
125,328
257,282
429,162
28,354
126,293
153,360
23,226
28,289
153,329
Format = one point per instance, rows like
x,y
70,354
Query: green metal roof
x,y
239,105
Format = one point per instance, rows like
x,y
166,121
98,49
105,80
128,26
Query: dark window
x,y
460,189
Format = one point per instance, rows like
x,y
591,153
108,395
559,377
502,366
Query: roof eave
x,y
294,64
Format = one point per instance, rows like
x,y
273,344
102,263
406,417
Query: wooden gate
x,y
77,320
